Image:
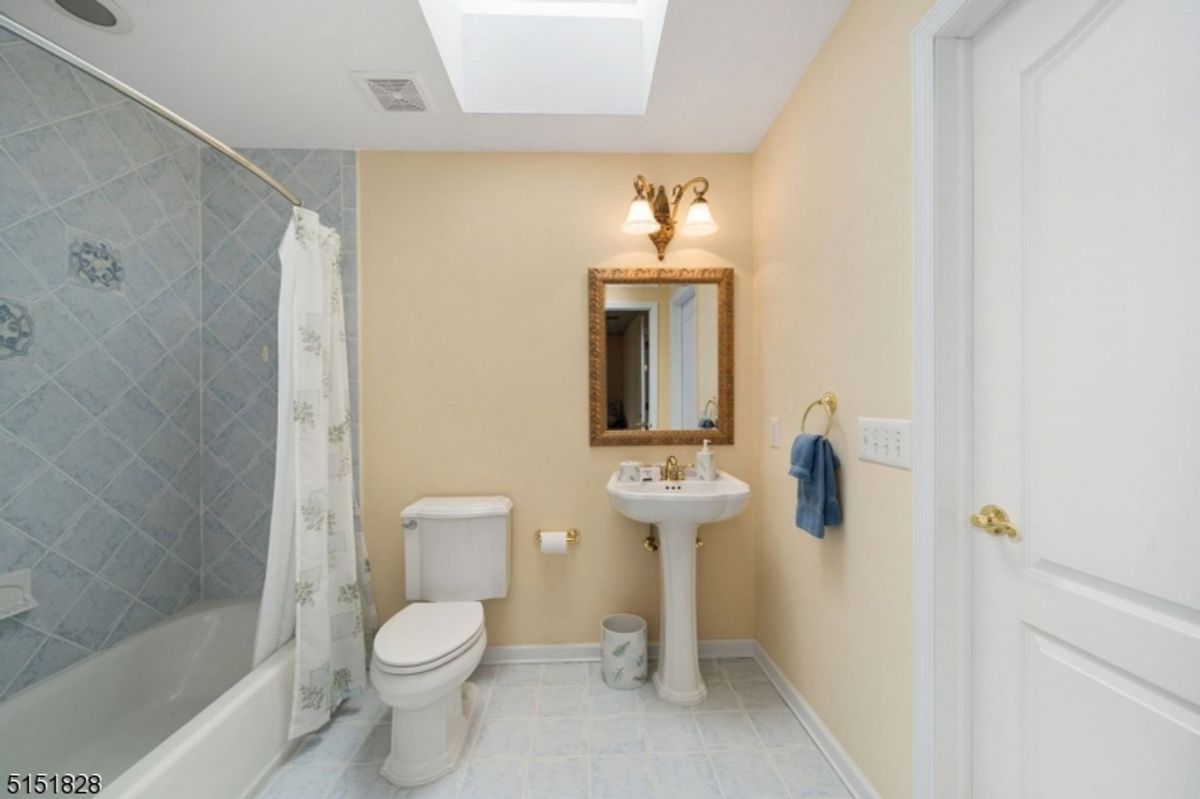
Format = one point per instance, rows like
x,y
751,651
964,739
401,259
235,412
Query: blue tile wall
x,y
138,289
241,223
99,364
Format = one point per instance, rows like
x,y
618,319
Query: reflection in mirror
x,y
661,356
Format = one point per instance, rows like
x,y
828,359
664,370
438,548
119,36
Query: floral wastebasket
x,y
623,651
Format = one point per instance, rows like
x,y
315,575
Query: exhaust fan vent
x,y
397,94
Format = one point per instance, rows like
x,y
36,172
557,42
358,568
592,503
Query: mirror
x,y
661,356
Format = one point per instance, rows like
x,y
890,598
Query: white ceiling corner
x,y
281,73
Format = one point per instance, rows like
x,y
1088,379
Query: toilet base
x,y
427,742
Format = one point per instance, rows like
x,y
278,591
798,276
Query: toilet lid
x,y
426,634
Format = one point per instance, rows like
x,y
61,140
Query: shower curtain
x,y
317,581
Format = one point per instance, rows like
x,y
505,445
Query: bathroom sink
x,y
689,501
677,509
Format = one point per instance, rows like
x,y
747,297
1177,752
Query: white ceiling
x,y
277,73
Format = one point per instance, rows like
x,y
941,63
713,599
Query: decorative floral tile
x,y
96,265
16,329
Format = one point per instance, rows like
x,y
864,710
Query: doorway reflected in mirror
x,y
661,356
661,353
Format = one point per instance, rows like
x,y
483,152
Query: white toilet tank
x,y
456,548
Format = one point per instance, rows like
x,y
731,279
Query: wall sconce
x,y
652,214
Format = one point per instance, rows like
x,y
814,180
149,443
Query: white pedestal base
x,y
677,679
426,742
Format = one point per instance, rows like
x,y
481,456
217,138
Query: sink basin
x,y
678,509
691,501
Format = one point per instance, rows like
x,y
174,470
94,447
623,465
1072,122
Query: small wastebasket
x,y
623,651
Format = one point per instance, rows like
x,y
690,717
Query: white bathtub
x,y
172,711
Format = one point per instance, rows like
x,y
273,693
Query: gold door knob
x,y
994,520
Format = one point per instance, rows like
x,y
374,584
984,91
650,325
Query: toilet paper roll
x,y
554,542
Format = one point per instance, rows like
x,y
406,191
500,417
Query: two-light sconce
x,y
651,213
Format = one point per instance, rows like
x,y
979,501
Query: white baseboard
x,y
538,653
858,784
567,653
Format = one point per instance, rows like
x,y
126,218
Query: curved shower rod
x,y
133,94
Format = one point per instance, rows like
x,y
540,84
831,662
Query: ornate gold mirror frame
x,y
599,278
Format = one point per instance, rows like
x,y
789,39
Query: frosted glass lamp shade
x,y
700,221
641,217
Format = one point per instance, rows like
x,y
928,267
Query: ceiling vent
x,y
394,92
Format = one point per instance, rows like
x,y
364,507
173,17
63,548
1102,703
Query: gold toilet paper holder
x,y
572,536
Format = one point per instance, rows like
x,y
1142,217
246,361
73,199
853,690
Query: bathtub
x,y
174,710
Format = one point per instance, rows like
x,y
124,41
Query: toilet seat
x,y
426,635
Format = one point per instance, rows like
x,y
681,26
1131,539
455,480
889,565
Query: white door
x,y
683,351
636,411
1086,650
644,373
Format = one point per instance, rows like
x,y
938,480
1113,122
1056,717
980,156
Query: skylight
x,y
548,56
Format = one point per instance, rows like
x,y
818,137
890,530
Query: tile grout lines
x,y
155,176
644,708
218,175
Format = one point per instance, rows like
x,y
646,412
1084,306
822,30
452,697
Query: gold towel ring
x,y
828,401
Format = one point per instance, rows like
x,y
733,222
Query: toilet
x,y
456,553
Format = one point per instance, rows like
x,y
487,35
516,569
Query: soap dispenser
x,y
706,463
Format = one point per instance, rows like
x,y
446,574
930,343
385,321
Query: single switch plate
x,y
773,432
886,441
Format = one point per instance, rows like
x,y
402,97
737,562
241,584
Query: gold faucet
x,y
672,470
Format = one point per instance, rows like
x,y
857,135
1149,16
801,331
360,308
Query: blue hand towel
x,y
813,462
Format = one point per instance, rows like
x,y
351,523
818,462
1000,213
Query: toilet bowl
x,y
456,553
420,664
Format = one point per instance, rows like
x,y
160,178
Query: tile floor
x,y
557,731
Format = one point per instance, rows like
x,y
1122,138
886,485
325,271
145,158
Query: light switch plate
x,y
886,441
773,432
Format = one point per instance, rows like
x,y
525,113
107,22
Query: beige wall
x,y
474,372
832,284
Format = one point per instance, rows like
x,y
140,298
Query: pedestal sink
x,y
678,508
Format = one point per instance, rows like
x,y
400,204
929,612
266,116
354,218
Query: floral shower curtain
x,y
317,582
